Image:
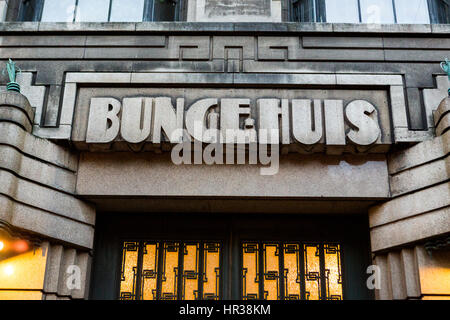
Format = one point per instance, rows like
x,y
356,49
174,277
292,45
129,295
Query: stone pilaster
x,y
37,198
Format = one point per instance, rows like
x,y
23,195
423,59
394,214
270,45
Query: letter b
x,y
104,123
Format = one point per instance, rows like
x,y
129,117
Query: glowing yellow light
x,y
9,270
2,245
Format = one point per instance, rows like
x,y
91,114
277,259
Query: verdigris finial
x,y
12,70
446,67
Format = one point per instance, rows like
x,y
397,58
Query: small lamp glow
x,y
2,245
9,270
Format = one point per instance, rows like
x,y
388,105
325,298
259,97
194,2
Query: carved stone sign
x,y
241,8
235,11
302,120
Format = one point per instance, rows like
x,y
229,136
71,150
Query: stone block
x,y
53,268
411,230
385,291
415,55
69,259
84,262
381,28
403,207
19,26
13,135
125,41
42,53
18,101
341,42
421,153
413,43
440,29
107,174
420,177
42,40
37,171
86,26
16,116
44,198
46,224
411,272
397,275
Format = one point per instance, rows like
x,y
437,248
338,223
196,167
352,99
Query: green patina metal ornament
x,y
12,70
446,67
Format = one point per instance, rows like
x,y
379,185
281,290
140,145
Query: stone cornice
x,y
242,28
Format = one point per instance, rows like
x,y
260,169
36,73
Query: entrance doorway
x,y
213,257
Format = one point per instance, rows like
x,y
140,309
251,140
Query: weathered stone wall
x,y
213,54
37,186
39,178
419,211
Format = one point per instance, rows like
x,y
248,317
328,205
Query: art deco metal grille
x,y
291,271
170,270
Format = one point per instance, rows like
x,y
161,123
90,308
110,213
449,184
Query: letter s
x,y
364,127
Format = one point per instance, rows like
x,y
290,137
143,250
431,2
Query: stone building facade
x,y
359,207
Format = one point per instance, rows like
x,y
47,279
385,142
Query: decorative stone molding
x,y
411,273
392,83
63,262
37,180
35,94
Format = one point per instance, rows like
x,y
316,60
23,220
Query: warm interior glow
x,y
2,245
21,246
22,276
8,270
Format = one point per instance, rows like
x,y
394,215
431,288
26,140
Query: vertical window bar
x,y
109,10
359,11
179,280
323,290
75,11
160,268
301,262
139,270
395,11
261,272
281,272
201,270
